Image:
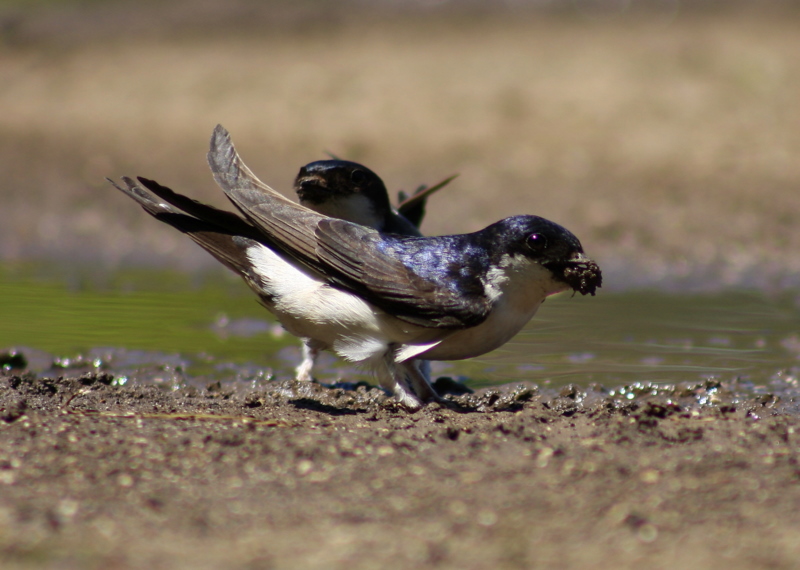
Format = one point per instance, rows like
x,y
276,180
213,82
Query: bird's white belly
x,y
516,301
501,326
308,307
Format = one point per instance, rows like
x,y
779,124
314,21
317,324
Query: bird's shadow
x,y
317,406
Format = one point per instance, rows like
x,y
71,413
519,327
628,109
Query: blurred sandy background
x,y
664,134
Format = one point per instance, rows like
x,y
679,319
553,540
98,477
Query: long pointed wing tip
x,y
219,138
423,193
444,182
221,149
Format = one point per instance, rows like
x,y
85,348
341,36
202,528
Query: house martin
x,y
352,192
377,299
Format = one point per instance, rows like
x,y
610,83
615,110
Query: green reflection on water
x,y
611,339
622,338
149,310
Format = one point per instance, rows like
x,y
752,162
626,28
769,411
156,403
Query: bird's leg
x,y
424,366
407,380
418,373
394,377
306,367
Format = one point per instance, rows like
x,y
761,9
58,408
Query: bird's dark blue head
x,y
549,244
324,180
537,238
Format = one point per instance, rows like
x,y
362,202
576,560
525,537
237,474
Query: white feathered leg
x,y
303,373
418,374
407,380
393,377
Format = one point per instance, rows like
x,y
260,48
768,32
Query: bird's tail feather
x,y
222,234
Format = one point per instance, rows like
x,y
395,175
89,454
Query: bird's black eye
x,y
357,176
537,242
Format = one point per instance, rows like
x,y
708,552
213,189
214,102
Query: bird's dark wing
x,y
364,262
222,234
289,225
350,255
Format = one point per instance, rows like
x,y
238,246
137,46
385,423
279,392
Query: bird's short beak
x,y
311,188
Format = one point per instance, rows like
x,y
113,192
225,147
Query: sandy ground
x,y
302,476
666,142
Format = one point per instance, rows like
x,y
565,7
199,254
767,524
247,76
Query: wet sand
x,y
304,476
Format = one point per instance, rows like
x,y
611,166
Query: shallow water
x,y
174,328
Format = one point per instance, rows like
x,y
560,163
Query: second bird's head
x,y
343,189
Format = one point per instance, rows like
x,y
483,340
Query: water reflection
x,y
176,329
624,338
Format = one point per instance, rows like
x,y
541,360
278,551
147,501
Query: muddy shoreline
x,y
668,146
293,475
